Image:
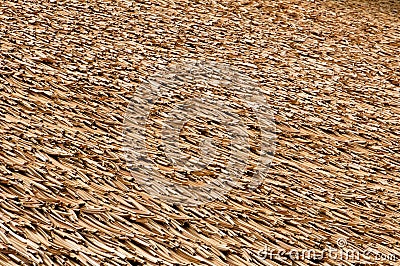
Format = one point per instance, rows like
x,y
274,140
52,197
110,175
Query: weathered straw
x,y
69,68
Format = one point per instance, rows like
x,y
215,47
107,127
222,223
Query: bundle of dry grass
x,y
69,68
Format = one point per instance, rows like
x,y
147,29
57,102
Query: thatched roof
x,y
68,70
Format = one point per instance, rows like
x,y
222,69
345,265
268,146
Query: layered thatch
x,y
68,70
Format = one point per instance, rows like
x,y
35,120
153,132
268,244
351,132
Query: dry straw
x,y
68,70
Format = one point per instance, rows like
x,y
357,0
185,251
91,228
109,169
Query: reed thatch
x,y
68,70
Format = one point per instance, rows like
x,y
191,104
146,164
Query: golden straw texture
x,y
69,68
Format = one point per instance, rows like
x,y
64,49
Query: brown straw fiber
x,y
68,70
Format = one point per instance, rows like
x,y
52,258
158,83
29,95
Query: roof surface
x,y
68,70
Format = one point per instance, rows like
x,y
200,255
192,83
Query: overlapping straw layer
x,y
69,68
